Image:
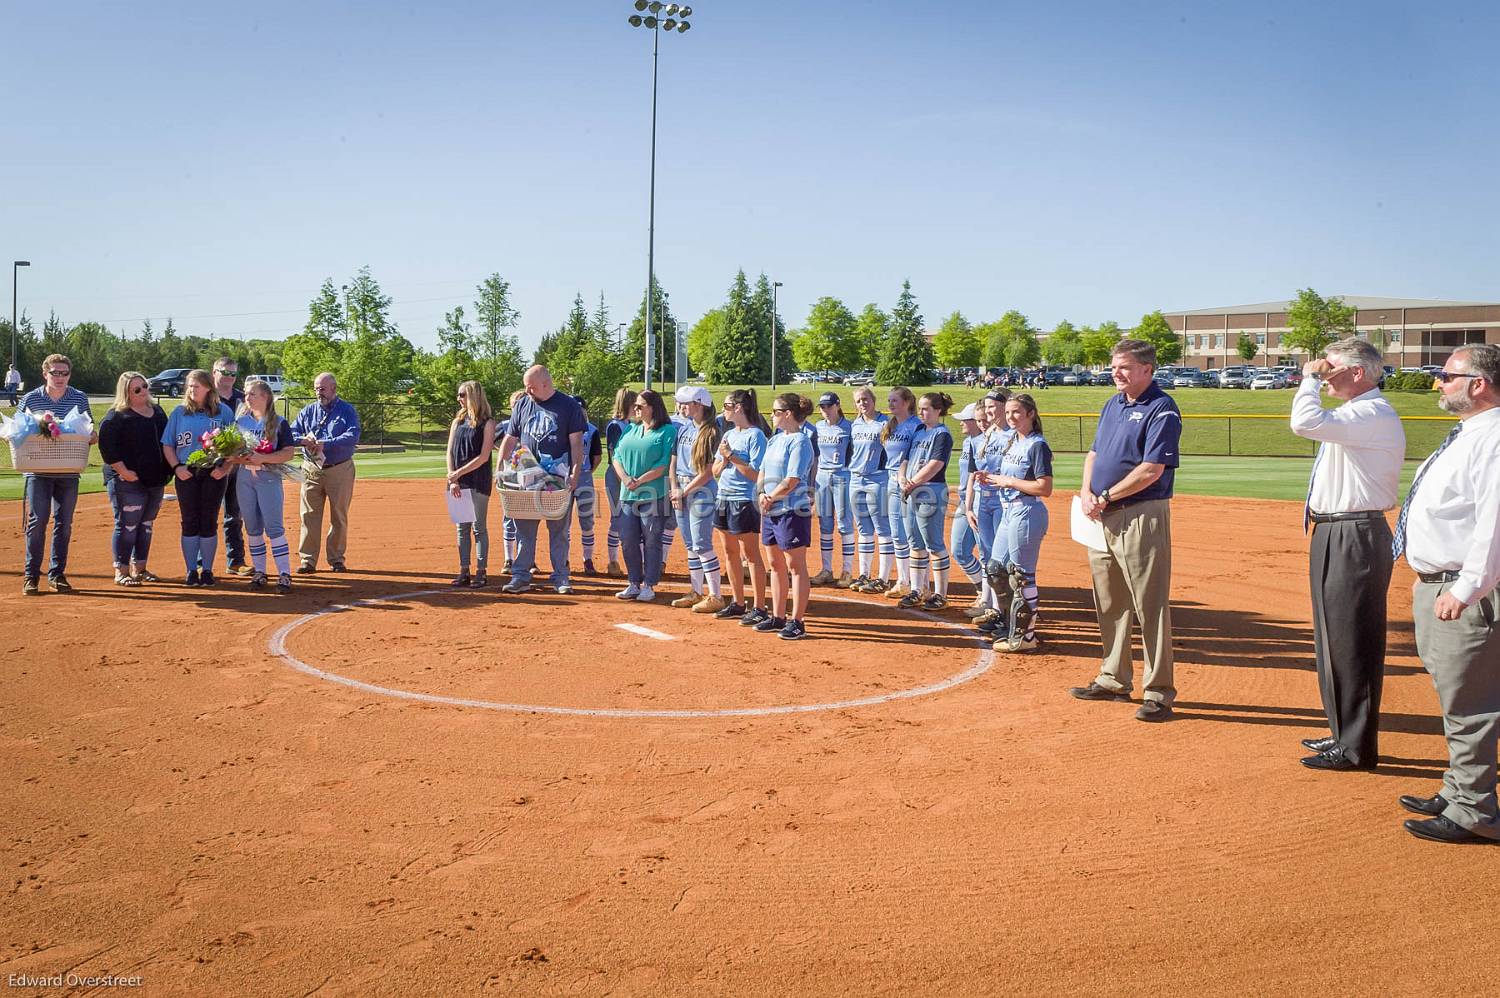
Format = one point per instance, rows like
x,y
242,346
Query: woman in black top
x,y
471,438
135,472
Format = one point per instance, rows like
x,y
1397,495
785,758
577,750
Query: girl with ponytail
x,y
926,492
786,514
741,451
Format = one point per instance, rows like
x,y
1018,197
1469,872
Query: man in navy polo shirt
x,y
1127,486
549,424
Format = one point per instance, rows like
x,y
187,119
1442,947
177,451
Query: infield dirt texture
x,y
182,805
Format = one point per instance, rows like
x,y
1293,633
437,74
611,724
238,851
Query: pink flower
x,y
54,429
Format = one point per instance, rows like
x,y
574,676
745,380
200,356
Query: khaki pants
x,y
1134,577
1461,656
336,485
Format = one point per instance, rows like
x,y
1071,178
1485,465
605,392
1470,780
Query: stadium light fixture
x,y
677,19
775,285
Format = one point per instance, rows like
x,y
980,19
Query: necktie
x,y
1307,503
1398,543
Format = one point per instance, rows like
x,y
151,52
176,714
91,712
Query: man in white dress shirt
x,y
1449,529
1356,477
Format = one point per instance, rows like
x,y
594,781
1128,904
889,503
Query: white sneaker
x,y
646,595
629,592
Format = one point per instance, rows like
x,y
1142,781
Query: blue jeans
x,y
559,535
55,496
135,507
259,502
612,490
926,510
695,522
641,526
480,530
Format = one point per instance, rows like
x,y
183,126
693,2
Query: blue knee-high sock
x,y
207,548
257,545
281,554
190,553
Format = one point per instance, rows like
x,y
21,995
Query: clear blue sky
x,y
1088,161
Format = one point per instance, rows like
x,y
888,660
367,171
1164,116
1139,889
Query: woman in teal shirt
x,y
642,460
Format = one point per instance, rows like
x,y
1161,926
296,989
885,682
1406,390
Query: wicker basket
x,y
64,455
524,504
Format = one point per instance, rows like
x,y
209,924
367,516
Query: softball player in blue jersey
x,y
962,537
926,493
897,437
833,440
694,494
988,512
509,539
868,482
737,515
1025,479
613,430
786,513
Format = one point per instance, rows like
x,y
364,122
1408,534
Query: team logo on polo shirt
x,y
1136,417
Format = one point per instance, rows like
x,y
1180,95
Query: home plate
x,y
645,632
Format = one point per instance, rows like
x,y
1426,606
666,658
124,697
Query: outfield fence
x,y
1238,434
407,425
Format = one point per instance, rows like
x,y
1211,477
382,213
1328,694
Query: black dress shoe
x,y
1093,691
1430,806
1441,829
1320,744
1335,759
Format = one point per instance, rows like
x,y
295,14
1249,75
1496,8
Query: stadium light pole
x,y
774,286
15,269
676,20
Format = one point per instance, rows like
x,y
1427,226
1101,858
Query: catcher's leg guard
x,y
1020,611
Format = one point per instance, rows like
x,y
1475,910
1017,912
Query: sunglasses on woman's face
x,y
777,412
138,390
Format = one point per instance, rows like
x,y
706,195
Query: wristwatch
x,y
1104,497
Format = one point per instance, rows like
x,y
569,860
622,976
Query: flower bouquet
x,y
227,444
534,488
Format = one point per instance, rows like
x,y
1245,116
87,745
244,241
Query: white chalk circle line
x,y
277,646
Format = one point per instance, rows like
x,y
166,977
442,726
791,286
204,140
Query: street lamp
x,y
676,20
774,286
15,268
619,337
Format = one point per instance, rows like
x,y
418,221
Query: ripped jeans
x,y
135,507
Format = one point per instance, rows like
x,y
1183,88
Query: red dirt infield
x,y
183,806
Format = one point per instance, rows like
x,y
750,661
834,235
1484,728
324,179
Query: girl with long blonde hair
x,y
471,441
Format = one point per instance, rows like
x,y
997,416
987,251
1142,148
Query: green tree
x,y
955,344
830,340
1064,346
1153,328
906,358
95,354
761,303
501,362
316,349
702,337
664,324
739,357
1099,343
1247,347
871,330
1010,342
1314,322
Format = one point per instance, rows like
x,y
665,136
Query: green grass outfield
x,y
1253,423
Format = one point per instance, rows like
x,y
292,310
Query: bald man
x,y
328,430
549,424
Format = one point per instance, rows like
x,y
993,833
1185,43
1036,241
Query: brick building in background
x,y
1411,332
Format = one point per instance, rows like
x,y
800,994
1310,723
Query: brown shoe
x,y
823,578
710,604
898,591
844,581
688,601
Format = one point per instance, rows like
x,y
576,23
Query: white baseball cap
x,y
967,412
693,393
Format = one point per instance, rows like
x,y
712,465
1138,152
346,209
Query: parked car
x,y
1234,377
1075,378
1189,379
1104,378
1291,375
1268,379
860,379
275,382
169,382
